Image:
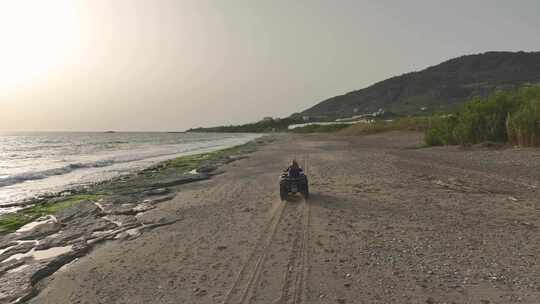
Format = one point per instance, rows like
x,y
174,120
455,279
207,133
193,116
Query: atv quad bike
x,y
292,185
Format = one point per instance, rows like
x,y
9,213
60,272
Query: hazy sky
x,y
172,65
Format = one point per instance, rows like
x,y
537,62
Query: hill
x,y
265,125
437,88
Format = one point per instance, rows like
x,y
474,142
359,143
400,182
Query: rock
x,y
121,220
15,285
341,301
19,248
19,279
61,239
220,248
232,158
160,199
217,172
7,241
130,234
430,301
143,207
88,225
175,181
207,168
158,191
150,223
77,230
124,209
4,267
40,231
83,209
199,292
441,183
52,265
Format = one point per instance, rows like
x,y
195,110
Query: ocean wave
x,y
119,159
29,176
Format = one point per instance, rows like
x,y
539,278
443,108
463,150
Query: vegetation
x,y
320,128
263,126
191,162
13,221
512,116
440,130
418,123
523,126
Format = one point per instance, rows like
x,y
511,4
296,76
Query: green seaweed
x,y
13,221
192,162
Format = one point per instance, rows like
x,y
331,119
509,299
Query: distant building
x,y
355,110
268,118
305,118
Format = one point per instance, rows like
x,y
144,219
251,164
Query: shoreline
x,y
60,228
71,189
92,159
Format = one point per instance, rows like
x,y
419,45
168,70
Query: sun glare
x,y
37,38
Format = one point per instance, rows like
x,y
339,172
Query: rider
x,y
294,169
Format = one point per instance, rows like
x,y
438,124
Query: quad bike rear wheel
x,y
304,189
283,191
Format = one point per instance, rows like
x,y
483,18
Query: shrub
x,y
523,126
503,116
485,119
440,130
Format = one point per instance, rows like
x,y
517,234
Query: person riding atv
x,y
293,180
294,169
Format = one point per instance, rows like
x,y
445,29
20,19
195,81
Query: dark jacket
x,y
294,171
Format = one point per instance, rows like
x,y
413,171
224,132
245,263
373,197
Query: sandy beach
x,y
387,222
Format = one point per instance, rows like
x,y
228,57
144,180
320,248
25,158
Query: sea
x,y
33,164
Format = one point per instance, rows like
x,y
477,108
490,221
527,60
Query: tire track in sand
x,y
244,286
295,285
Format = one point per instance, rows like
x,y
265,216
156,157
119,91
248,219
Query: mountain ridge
x,y
440,87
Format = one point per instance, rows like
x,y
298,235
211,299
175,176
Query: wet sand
x,y
386,223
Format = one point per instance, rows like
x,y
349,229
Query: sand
x,y
386,222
